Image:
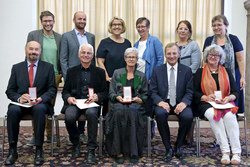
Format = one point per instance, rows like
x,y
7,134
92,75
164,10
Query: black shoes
x,y
119,160
39,160
168,156
178,152
76,152
12,157
91,157
134,159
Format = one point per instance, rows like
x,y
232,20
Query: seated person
x,y
214,77
30,73
171,90
125,123
79,79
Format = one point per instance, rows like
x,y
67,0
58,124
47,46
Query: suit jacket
x,y
73,84
69,50
159,84
44,82
37,35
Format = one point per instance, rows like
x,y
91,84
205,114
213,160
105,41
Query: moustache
x,y
33,54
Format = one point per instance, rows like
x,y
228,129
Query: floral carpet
x,y
62,156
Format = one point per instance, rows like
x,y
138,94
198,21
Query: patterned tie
x,y
31,74
172,90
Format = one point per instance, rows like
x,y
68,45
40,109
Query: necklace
x,y
214,71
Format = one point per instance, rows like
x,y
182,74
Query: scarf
x,y
208,86
229,50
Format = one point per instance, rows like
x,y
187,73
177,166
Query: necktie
x,y
172,90
31,74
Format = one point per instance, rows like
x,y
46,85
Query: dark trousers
x,y
185,122
72,114
14,115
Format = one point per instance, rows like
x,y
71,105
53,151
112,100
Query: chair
x,y
170,118
27,117
61,117
240,117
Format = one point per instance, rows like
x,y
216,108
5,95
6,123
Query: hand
x,y
227,99
211,97
164,105
137,100
242,83
39,99
95,97
24,98
180,107
71,100
119,99
108,79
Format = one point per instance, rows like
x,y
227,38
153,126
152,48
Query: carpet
x,y
62,156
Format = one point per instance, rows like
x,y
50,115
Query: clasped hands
x,y
178,109
72,100
212,97
26,98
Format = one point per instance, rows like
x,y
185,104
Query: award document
x,y
221,106
127,94
32,93
82,105
91,92
218,95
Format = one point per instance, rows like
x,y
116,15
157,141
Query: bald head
x,y
33,51
80,20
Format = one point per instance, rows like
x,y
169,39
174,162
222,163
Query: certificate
x,y
91,92
218,95
32,93
221,106
80,103
127,94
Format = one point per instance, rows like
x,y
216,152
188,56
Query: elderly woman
x,y
234,53
215,77
190,51
125,123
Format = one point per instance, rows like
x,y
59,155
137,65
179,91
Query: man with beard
x,y
50,43
32,73
69,52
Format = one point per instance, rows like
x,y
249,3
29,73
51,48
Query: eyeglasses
x,y
88,53
183,29
47,21
131,57
213,55
141,27
114,25
217,25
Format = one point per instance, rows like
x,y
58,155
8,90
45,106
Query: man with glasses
x,y
79,79
50,43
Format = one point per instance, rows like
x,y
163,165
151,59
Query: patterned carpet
x,y
62,156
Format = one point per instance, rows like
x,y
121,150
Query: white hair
x,y
216,48
88,45
130,50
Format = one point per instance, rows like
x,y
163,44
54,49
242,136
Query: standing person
x,y
214,77
111,49
79,79
171,90
30,73
190,51
50,43
235,60
70,43
125,121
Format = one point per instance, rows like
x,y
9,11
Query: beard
x,y
80,27
33,57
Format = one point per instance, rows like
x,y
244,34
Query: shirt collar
x,y
36,63
78,33
169,66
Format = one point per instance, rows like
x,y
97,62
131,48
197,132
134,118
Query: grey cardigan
x,y
191,55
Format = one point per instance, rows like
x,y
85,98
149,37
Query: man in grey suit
x,y
50,43
70,44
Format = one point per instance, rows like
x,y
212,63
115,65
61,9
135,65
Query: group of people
x,y
156,89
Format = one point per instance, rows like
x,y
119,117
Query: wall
x,y
20,17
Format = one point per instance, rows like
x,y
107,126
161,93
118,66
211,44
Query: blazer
x,y
37,35
153,54
184,85
70,48
73,84
44,81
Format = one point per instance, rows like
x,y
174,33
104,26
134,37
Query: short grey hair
x,y
88,45
130,50
216,48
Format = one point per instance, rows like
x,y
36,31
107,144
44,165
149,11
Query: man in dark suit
x,y
79,79
70,43
30,73
50,43
171,90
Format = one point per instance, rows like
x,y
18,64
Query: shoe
x,y
178,152
225,160
168,156
39,160
91,157
134,159
12,157
83,139
236,159
69,143
76,151
49,139
31,142
119,160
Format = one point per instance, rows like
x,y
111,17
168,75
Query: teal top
x,y
49,53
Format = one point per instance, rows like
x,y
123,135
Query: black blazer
x,y
44,81
73,84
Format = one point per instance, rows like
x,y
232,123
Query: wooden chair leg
x,y
57,132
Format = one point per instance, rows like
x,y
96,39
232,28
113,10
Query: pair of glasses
x,y
183,29
141,27
213,55
217,25
47,21
88,53
114,25
131,57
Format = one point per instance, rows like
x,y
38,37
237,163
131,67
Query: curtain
x,y
164,16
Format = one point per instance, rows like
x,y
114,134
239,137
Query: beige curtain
x,y
164,16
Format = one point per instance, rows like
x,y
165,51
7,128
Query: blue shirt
x,y
82,39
